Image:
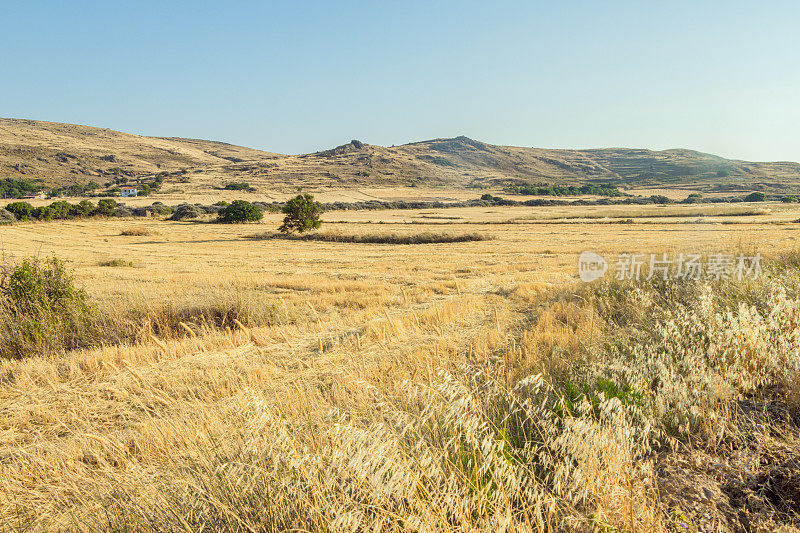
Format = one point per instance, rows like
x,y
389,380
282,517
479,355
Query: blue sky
x,y
297,76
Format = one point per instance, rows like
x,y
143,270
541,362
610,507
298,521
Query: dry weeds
x,y
460,386
137,231
427,237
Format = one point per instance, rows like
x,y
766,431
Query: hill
x,y
62,154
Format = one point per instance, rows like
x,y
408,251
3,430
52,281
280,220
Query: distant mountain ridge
x,y
61,154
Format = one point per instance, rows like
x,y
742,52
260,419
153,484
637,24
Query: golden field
x,y
326,386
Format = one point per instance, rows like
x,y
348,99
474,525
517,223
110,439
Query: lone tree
x,y
239,212
302,214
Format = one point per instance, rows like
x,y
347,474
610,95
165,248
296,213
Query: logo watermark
x,y
715,266
591,266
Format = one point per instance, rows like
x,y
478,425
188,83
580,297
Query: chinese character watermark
x,y
690,266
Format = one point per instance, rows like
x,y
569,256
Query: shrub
x,y
6,217
302,214
186,211
159,208
41,310
136,232
544,189
122,212
442,161
17,188
239,212
660,199
115,263
755,197
694,198
60,210
21,210
105,207
238,186
490,198
44,213
83,209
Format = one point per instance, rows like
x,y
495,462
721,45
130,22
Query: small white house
x,y
128,191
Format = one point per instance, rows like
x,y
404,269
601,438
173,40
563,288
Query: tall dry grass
x,y
521,409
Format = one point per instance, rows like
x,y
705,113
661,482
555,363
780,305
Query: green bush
x,y
60,210
694,198
660,199
237,186
302,214
755,197
43,213
21,210
41,310
18,188
239,212
83,209
106,207
442,161
159,208
544,189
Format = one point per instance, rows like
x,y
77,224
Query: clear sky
x,y
297,76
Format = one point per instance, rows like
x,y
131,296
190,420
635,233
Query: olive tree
x,y
302,214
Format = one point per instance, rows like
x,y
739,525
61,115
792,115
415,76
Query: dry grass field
x,y
232,384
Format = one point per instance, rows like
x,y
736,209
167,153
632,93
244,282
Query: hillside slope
x,y
61,154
